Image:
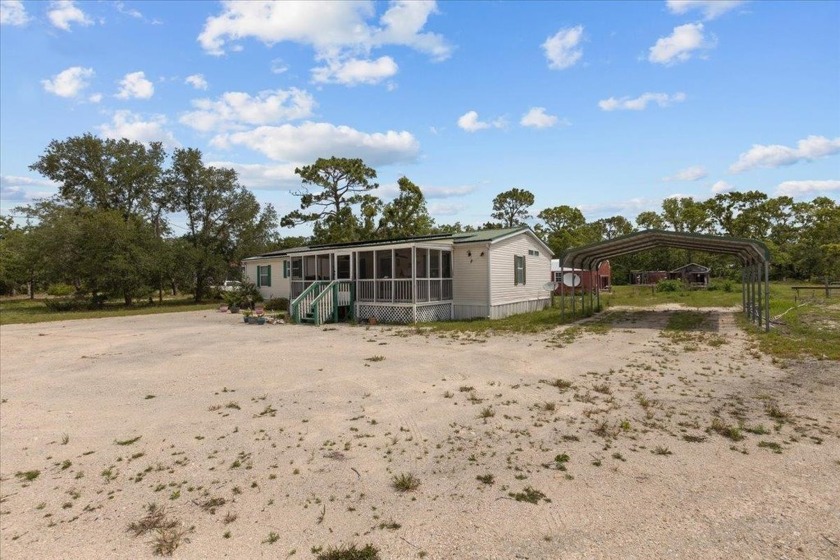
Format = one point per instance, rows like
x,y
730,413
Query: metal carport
x,y
753,255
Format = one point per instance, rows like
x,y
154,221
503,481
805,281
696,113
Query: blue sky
x,y
609,107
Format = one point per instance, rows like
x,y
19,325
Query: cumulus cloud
x,y
133,126
135,85
448,192
640,103
264,177
63,13
25,189
721,187
710,8
799,188
774,155
355,71
469,122
197,81
70,82
327,27
536,117
679,45
95,98
693,173
234,109
562,49
628,208
310,140
446,209
12,12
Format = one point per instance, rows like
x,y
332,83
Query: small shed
x,y
692,274
570,280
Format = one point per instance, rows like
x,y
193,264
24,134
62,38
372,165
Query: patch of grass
x,y
561,384
405,482
487,412
209,505
375,359
661,450
28,476
271,538
771,445
65,439
127,441
391,525
528,494
349,552
16,311
728,431
685,321
694,439
487,479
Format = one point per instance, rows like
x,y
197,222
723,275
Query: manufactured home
x,y
482,274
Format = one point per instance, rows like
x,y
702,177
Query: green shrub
x,y
61,290
669,286
277,304
67,304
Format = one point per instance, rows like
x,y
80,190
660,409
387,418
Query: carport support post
x,y
562,296
760,309
744,289
767,296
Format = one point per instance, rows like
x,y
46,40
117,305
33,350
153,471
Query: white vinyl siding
x,y
280,287
470,270
504,288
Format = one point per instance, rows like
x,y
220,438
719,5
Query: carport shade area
x,y
753,256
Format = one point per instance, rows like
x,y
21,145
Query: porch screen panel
x,y
342,263
434,275
446,273
402,275
310,271
421,271
364,276
384,273
324,267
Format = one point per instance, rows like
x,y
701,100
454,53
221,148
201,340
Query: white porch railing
x,y
400,290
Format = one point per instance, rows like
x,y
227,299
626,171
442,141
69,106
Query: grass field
x,y
13,311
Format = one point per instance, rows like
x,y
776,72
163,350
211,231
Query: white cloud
x,y
679,45
537,117
710,8
774,155
135,85
721,187
62,13
469,122
640,103
12,12
311,140
260,176
562,50
794,188
278,66
628,208
95,98
197,81
693,173
235,109
448,192
330,28
126,124
70,82
131,12
25,189
355,71
446,209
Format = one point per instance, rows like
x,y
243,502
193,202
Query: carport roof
x,y
747,250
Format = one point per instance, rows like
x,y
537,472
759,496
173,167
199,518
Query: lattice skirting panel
x,y
404,314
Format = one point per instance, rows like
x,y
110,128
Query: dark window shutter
x,y
524,260
269,276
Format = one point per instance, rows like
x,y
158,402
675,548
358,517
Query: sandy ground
x,y
267,441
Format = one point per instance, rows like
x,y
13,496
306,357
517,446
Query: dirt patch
x,y
264,440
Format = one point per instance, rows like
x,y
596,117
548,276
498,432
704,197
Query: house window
x,y
518,270
533,253
263,276
286,269
342,265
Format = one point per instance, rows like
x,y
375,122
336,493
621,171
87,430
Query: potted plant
x,y
246,316
261,320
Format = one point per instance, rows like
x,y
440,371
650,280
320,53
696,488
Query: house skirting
x,y
508,309
406,312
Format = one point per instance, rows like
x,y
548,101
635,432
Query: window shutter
x,y
269,275
258,275
285,269
515,270
524,260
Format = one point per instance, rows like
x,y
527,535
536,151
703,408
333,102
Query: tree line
x,y
111,231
